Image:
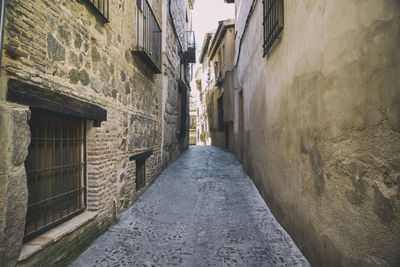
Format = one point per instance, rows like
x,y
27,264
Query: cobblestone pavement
x,y
202,211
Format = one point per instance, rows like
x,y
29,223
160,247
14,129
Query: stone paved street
x,y
202,211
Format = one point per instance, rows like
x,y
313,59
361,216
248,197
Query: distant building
x,y
93,106
217,57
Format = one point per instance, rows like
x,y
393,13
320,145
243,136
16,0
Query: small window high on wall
x,y
56,170
272,22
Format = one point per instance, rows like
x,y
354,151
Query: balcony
x,y
190,53
148,40
102,7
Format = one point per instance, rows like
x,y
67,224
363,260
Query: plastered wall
x,y
322,126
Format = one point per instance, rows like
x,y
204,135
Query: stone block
x,y
20,137
4,136
83,77
55,50
73,76
96,83
14,216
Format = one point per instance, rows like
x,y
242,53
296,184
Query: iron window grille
x,y
148,38
102,6
272,22
56,171
190,53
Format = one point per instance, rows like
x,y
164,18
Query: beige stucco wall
x,y
322,126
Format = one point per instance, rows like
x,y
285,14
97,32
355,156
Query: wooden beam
x,y
143,155
37,97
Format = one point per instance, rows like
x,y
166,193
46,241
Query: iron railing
x,y
56,171
190,53
148,39
272,22
102,6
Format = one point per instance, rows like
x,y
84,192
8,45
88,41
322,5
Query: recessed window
x,y
56,170
102,6
140,173
272,22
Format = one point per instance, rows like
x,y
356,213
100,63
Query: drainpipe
x,y
253,6
3,14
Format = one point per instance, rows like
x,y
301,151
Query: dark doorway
x,y
140,173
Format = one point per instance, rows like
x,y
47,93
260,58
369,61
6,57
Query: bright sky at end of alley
x,y
206,14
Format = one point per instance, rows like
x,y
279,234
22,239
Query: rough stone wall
x,y
172,144
322,124
65,46
14,141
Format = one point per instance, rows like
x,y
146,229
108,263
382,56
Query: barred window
x,y
56,170
272,22
102,6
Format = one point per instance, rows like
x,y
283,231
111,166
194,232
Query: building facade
x,y
216,83
317,120
93,106
203,83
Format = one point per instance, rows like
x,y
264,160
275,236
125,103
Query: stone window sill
x,y
42,241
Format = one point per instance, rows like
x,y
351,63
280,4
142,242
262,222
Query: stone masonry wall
x,y
172,144
65,46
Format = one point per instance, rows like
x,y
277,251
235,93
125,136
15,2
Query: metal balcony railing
x,y
190,53
148,39
102,6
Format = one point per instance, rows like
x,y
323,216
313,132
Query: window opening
x,y
272,22
56,170
102,6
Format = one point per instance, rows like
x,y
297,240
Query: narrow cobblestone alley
x,y
202,211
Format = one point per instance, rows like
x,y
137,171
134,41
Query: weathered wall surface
x,y
65,46
217,136
14,143
322,126
173,145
